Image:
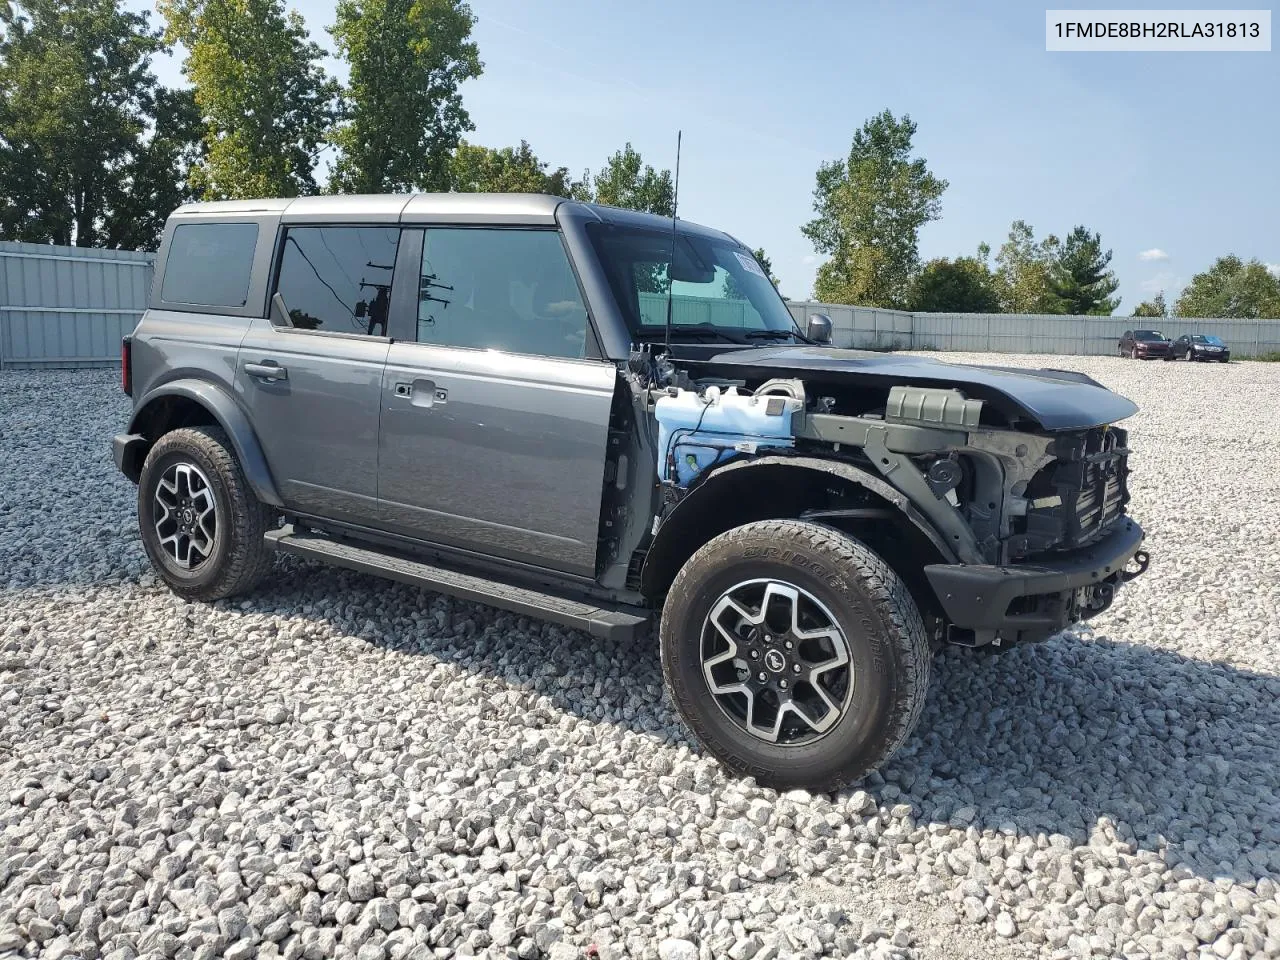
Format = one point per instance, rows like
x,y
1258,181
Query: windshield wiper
x,y
690,330
775,335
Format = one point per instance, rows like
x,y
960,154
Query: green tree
x,y
1081,277
1155,307
158,177
1023,272
402,113
962,285
870,208
1232,288
75,92
626,181
477,169
266,102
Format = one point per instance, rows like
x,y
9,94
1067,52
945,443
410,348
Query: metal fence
x,y
867,328
68,306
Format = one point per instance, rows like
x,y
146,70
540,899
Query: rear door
x,y
314,388
494,420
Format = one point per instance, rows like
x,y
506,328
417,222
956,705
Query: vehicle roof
x,y
415,207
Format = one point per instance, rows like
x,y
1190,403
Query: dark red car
x,y
1145,345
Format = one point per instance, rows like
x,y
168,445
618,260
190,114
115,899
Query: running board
x,y
597,621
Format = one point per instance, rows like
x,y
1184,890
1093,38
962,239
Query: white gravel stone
x,y
338,766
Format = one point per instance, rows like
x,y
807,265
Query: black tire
x,y
1133,353
237,557
888,651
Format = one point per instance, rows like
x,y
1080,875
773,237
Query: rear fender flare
x,y
705,492
224,409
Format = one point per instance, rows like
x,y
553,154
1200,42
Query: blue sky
x,y
1172,156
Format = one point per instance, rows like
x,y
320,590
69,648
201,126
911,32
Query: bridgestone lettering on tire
x,y
202,552
763,594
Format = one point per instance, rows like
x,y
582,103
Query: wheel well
x,y
777,492
165,414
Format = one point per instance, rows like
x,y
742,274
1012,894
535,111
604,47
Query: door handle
x,y
267,370
422,393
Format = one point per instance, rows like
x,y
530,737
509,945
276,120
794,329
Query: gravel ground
x,y
339,766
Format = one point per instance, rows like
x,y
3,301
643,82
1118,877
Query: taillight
x,y
126,365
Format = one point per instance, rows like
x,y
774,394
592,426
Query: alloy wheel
x,y
186,518
776,662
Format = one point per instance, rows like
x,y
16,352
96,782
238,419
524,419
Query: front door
x,y
314,388
494,424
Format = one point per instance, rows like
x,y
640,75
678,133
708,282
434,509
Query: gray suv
x,y
603,418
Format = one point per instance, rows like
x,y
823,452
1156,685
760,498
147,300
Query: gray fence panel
x,y
68,306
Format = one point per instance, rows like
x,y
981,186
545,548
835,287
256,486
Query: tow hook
x,y
1142,559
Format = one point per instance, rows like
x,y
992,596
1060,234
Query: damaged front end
x,y
1030,523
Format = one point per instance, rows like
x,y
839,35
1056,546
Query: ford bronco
x,y
603,418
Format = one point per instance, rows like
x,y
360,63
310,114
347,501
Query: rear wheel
x,y
795,654
201,525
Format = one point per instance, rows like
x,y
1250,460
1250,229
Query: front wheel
x,y
1133,353
795,654
201,525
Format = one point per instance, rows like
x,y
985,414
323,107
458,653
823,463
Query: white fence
x,y
869,328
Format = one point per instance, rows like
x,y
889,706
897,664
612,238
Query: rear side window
x,y
209,264
338,279
502,290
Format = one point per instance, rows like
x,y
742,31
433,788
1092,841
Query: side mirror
x,y
819,328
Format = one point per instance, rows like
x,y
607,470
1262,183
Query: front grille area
x,y
1076,499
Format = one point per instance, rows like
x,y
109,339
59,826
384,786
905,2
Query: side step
x,y
597,621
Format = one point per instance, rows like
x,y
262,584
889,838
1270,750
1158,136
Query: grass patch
x,y
1272,356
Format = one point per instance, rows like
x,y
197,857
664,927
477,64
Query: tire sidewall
x,y
167,453
863,725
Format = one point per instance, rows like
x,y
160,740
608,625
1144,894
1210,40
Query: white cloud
x,y
1155,253
1274,268
810,259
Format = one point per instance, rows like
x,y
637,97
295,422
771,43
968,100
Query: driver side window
x,y
496,289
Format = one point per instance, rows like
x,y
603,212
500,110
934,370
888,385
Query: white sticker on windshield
x,y
749,264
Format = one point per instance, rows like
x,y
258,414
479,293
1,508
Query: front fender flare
x,y
233,421
702,495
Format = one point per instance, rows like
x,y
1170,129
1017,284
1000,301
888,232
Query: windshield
x,y
1148,335
720,290
1212,341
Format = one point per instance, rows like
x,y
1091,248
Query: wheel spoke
x,y
776,661
186,515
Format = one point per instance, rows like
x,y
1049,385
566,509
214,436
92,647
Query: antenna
x,y
675,205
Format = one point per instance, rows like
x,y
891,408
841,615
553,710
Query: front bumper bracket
x,y
1030,601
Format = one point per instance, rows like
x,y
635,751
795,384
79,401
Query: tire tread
x,y
249,559
892,600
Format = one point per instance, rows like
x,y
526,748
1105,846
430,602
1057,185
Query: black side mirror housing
x,y
819,329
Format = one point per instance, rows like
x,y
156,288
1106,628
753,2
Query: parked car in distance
x,y
1200,346
492,397
1145,345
